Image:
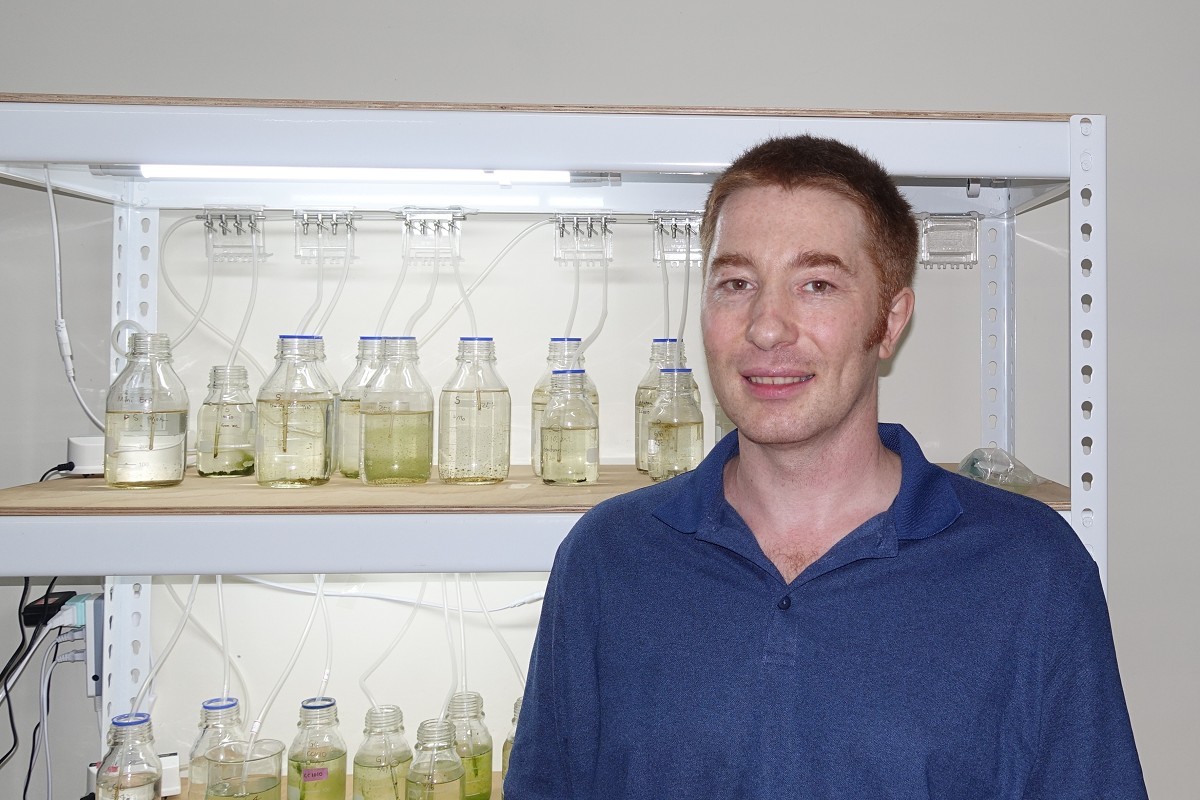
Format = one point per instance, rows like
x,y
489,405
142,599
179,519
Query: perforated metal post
x,y
997,291
1089,344
126,643
135,271
126,639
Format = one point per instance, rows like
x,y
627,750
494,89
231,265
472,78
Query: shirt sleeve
x,y
1086,751
553,755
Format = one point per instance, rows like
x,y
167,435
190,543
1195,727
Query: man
x,y
816,611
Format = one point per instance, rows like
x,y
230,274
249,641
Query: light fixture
x,y
502,177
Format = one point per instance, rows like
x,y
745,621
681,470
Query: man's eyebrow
x,y
729,260
806,260
817,258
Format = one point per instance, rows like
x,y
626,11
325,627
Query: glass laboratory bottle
x,y
675,443
663,353
370,353
225,425
145,421
220,723
474,417
564,354
130,770
506,754
570,432
396,419
437,771
473,742
294,440
317,757
382,761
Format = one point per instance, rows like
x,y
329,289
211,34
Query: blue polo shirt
x,y
955,646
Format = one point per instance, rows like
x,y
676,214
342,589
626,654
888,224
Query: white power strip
x,y
87,453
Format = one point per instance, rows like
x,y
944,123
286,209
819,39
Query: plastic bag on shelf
x,y
998,467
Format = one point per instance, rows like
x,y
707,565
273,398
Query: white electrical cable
x,y
574,300
328,637
337,294
583,346
535,597
666,282
44,710
60,322
412,615
483,276
291,664
241,334
387,307
224,639
687,279
43,718
420,312
166,279
512,658
244,698
208,285
312,310
162,659
462,291
450,642
462,631
16,673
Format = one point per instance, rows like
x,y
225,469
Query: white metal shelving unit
x,y
628,161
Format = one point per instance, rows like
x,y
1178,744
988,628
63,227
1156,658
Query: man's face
x,y
790,299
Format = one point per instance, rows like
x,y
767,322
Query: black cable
x,y
66,466
32,755
8,667
14,662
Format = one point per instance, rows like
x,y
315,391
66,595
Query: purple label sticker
x,y
318,774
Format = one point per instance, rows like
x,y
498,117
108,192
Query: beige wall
x,y
1123,61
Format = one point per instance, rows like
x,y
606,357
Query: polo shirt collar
x,y
925,505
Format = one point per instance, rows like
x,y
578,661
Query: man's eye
x,y
819,287
737,284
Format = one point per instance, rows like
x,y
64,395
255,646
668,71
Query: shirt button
x,y
784,604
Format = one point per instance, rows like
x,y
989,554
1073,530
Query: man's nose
x,y
772,319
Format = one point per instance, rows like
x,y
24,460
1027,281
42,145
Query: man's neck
x,y
801,499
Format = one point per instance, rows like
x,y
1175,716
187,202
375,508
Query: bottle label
x,y
316,774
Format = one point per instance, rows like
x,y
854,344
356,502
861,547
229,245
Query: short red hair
x,y
796,162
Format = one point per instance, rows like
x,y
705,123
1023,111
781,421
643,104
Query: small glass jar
x,y
317,757
474,417
563,354
220,723
473,742
294,442
506,755
145,421
383,759
570,432
225,425
370,356
676,438
437,771
130,768
396,419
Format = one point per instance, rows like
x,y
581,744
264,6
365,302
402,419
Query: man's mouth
x,y
777,380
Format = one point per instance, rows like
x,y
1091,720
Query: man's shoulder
x,y
1024,532
627,521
